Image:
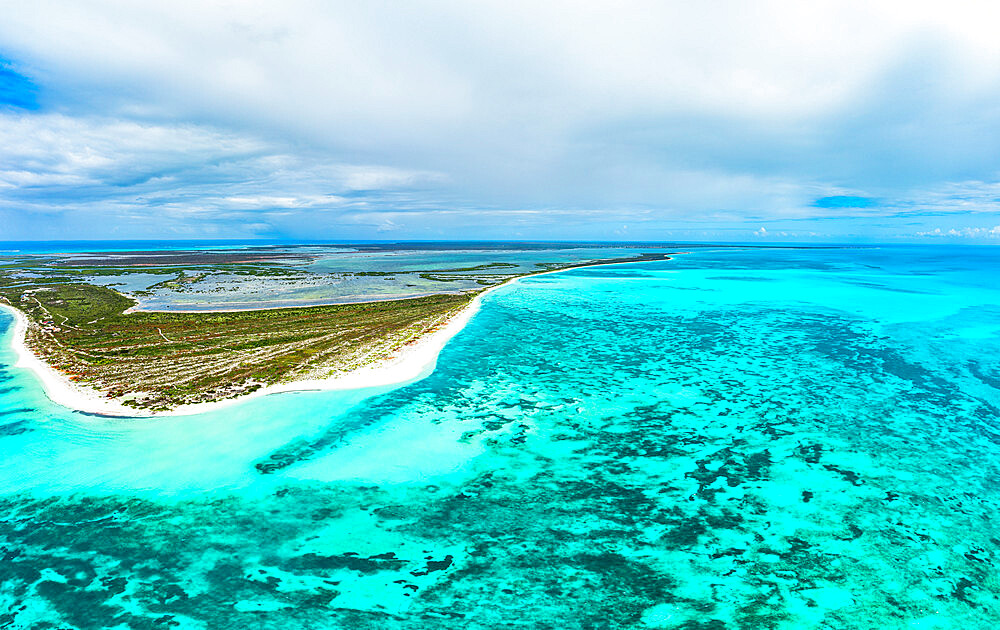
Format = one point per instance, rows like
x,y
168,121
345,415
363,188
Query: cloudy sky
x,y
743,121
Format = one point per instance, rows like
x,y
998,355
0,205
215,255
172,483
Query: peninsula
x,y
97,353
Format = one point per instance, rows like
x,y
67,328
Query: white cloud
x,y
57,160
432,61
608,113
967,197
58,150
271,201
356,177
967,232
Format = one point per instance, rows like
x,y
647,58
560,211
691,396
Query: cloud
x,y
975,233
160,175
53,149
589,115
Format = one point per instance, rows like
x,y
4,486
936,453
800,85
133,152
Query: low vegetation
x,y
157,360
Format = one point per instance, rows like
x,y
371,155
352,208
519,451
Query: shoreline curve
x,y
410,363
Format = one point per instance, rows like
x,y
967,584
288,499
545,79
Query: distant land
x,y
103,345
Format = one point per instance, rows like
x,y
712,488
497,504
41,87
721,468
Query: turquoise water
x,y
731,439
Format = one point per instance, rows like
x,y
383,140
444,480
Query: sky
x,y
720,121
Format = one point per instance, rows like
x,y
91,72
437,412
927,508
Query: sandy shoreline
x,y
413,362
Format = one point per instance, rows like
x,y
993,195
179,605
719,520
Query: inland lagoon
x,y
735,438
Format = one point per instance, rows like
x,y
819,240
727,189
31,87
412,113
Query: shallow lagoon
x,y
393,273
732,439
312,274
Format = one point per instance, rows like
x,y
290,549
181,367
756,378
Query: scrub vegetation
x,y
159,360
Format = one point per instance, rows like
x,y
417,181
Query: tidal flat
x,y
729,439
99,350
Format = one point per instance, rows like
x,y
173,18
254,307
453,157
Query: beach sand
x,y
411,362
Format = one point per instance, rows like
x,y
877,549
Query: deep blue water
x,y
730,439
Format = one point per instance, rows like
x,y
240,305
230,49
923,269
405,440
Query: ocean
x,y
735,438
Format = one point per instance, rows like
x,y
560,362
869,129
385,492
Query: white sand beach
x,y
413,361
58,387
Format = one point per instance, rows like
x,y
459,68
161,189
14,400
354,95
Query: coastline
x,y
412,362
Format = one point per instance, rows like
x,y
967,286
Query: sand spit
x,y
410,363
413,361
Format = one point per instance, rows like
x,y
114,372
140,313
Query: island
x,y
98,351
